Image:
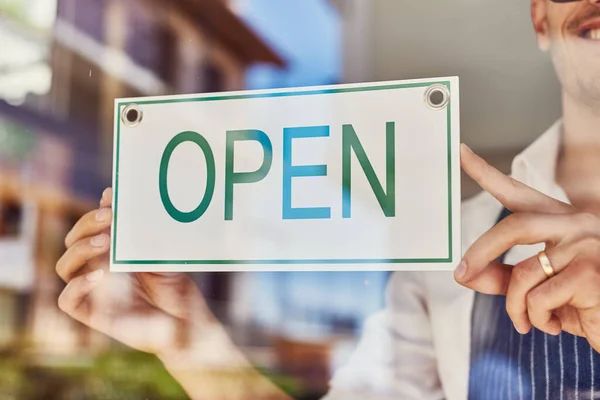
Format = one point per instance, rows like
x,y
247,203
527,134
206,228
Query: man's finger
x,y
92,223
577,286
75,298
107,197
513,194
495,280
528,274
517,229
174,293
77,256
514,229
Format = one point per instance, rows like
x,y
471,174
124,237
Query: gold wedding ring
x,y
545,263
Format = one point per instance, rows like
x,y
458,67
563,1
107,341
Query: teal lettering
x,y
231,177
387,198
291,171
187,217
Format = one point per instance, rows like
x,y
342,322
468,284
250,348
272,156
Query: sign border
x,y
242,96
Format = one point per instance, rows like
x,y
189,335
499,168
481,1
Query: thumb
x,y
75,300
174,293
494,278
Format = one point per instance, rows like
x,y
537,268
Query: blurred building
x,y
70,59
67,61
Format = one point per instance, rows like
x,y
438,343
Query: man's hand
x,y
147,311
163,314
568,301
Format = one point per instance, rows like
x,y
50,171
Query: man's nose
x,y
595,2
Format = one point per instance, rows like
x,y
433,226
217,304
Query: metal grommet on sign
x,y
132,115
437,97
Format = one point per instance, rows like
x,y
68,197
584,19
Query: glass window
x,y
506,307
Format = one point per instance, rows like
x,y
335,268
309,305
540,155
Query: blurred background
x,y
62,64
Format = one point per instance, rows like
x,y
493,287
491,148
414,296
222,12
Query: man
x,y
538,339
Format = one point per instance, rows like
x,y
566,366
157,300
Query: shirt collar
x,y
536,165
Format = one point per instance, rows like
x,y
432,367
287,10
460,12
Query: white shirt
x,y
418,347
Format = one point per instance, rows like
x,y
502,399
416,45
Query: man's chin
x,y
589,89
585,46
577,62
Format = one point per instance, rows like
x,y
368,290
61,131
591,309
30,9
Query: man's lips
x,y
589,30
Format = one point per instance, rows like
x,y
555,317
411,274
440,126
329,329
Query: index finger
x,y
92,223
514,195
106,200
517,229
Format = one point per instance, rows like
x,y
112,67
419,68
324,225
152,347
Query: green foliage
x,y
12,379
18,11
120,374
16,140
133,375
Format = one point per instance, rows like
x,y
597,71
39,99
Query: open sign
x,y
357,177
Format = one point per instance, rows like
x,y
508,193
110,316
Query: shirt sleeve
x,y
395,357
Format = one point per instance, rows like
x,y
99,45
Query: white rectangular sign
x,y
344,177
